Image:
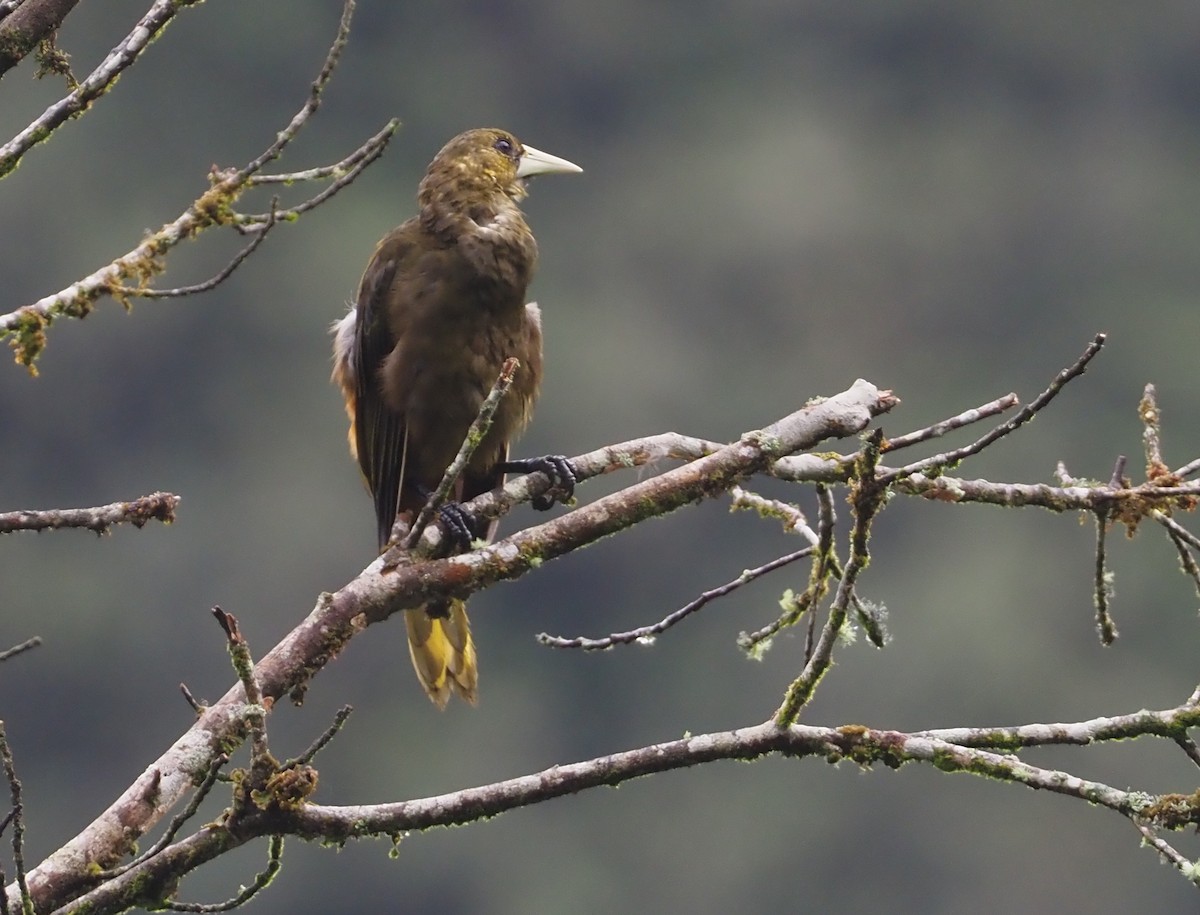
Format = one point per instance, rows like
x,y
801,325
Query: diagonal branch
x,y
95,85
1024,415
376,594
23,27
132,271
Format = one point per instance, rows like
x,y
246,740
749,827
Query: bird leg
x,y
458,523
554,466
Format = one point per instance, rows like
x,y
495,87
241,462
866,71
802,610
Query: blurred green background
x,y
946,199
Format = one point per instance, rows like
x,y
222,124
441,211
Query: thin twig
x,y
261,881
339,721
1024,415
371,150
18,820
791,515
309,108
984,411
321,172
1176,529
1187,469
243,665
1189,747
214,281
867,497
1102,583
1166,850
27,325
646,634
475,435
18,649
1181,538
33,28
95,85
1152,433
197,707
177,822
158,506
794,607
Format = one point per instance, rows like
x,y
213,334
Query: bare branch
x,y
158,506
18,824
1024,415
375,595
1189,747
867,496
178,821
23,25
132,271
371,150
1102,583
1187,469
256,705
792,517
339,721
20,649
645,635
1166,850
966,418
864,746
95,85
794,607
260,882
212,282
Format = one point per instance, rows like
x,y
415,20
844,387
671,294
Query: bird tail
x,y
443,653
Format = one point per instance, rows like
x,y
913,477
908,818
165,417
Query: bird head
x,y
488,162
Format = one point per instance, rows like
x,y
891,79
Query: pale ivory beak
x,y
535,162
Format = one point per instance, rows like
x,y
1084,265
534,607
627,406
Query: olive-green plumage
x,y
440,306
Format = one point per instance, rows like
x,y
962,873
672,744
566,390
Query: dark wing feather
x,y
381,433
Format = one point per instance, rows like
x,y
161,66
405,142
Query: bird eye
x,y
504,146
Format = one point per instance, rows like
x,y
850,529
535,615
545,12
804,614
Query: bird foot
x,y
459,525
560,472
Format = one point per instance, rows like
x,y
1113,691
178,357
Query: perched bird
x,y
440,306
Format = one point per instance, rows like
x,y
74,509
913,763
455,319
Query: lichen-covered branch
x,y
158,506
98,82
864,746
382,590
24,27
130,274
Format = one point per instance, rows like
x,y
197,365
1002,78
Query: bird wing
x,y
381,434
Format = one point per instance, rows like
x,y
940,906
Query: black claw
x,y
459,525
558,469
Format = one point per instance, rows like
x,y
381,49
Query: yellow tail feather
x,y
443,653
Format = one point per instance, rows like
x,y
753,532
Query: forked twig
x,y
1024,415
